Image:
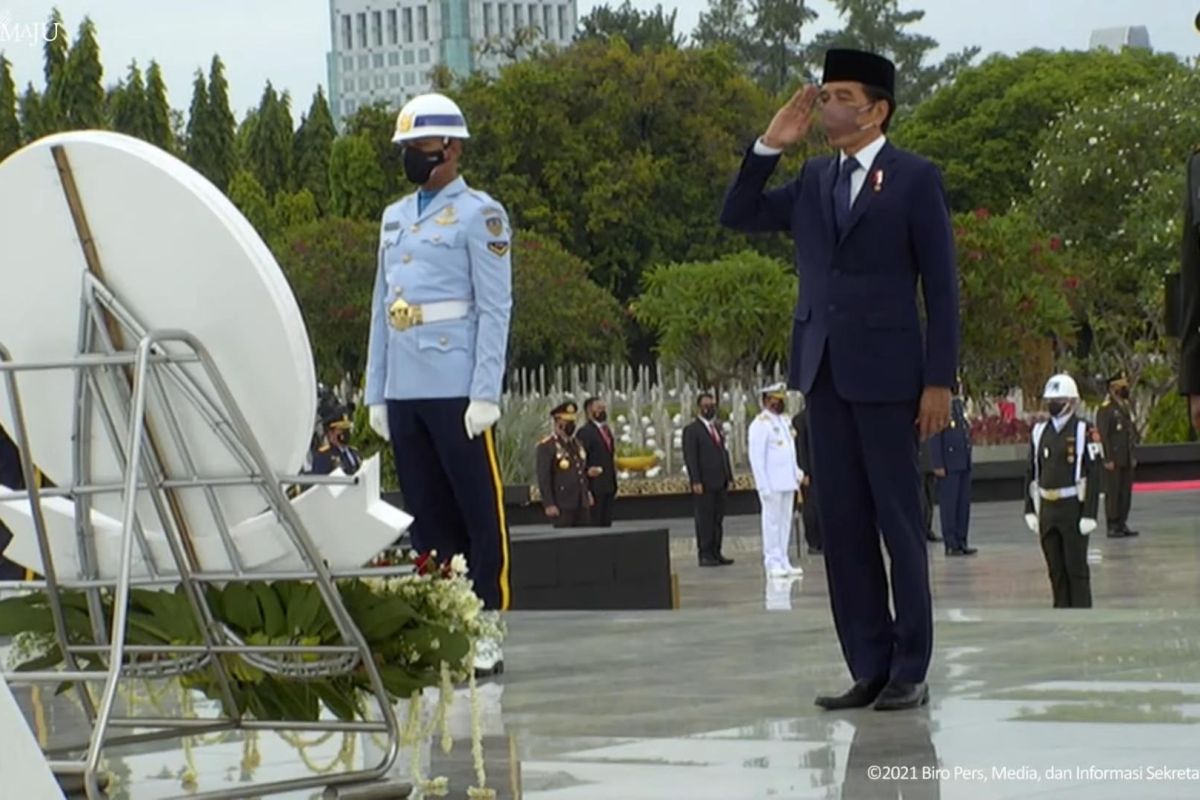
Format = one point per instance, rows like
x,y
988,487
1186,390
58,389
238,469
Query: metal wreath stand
x,y
119,381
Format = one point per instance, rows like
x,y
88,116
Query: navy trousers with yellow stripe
x,y
452,487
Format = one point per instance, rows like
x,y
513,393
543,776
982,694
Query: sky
x,y
285,41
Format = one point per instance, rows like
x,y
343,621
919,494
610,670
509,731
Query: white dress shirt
x,y
866,158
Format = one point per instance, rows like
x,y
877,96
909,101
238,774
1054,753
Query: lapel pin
x,y
878,180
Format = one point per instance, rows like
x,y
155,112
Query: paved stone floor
x,y
715,700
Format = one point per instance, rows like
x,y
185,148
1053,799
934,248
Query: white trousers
x,y
776,528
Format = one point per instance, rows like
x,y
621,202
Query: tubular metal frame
x,y
128,390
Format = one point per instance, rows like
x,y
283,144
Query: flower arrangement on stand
x,y
421,628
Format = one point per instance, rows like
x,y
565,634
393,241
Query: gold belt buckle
x,y
1053,494
403,316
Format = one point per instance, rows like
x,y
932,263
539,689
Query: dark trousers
x,y
602,511
812,523
1118,497
710,522
452,487
573,517
954,505
870,484
1065,549
928,493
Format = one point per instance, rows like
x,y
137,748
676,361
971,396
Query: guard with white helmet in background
x,y
1065,455
439,334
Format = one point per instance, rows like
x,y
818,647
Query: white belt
x,y
403,316
1058,494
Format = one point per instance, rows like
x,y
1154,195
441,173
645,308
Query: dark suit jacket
x,y
707,462
858,290
1189,295
598,455
803,450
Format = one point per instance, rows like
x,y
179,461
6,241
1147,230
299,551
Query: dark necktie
x,y
841,194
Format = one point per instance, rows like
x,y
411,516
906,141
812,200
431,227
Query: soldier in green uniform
x,y
1063,499
562,472
1114,421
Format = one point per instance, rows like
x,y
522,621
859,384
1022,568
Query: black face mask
x,y
1056,407
708,412
568,429
419,165
776,406
601,416
1123,393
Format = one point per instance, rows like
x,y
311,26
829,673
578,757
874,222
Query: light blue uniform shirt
x,y
458,247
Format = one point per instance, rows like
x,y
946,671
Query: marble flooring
x,y
714,700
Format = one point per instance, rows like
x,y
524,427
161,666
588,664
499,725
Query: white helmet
x,y
1061,387
430,115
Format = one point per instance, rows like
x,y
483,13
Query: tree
x,y
376,124
878,26
983,130
314,143
54,54
641,30
82,100
1016,287
356,185
33,118
726,24
643,144
559,315
270,142
200,150
251,199
128,103
330,264
10,125
222,125
720,319
779,25
294,208
159,130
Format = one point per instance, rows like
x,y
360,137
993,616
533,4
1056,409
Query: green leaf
x,y
339,696
49,660
28,613
273,615
240,608
303,609
386,619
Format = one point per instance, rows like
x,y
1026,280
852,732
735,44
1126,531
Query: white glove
x,y
481,415
1032,521
1086,526
379,421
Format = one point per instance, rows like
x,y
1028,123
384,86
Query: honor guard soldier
x,y
1114,421
772,452
1063,478
435,360
562,472
950,453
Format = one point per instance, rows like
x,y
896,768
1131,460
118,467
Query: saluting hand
x,y
791,123
934,416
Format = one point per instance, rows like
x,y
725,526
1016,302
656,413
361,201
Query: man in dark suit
x,y
808,495
602,474
950,452
867,222
710,474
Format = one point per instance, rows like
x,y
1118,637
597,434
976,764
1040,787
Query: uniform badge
x,y
494,225
1045,452
564,464
447,217
1118,426
498,248
953,424
405,123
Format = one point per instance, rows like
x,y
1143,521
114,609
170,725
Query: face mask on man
x,y
708,412
1123,393
419,164
1056,407
775,405
568,429
840,121
601,416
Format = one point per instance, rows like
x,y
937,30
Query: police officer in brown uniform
x,y
562,472
1114,421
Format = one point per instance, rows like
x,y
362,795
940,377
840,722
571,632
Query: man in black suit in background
x,y
600,446
710,474
812,526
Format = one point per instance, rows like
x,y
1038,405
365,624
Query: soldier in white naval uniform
x,y
435,360
777,477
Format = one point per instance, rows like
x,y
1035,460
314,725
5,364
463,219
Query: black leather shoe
x,y
816,551
710,562
723,561
965,550
1129,532
954,551
860,695
1117,534
932,537
897,696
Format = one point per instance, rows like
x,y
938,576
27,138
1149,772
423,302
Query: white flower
x,y
653,472
677,419
660,454
621,419
626,438
458,564
651,443
650,431
645,421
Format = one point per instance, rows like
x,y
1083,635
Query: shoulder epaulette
x,y
546,439
323,449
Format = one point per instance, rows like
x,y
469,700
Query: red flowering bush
x,y
997,430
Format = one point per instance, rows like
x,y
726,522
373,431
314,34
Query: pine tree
x,y
10,126
200,146
223,125
129,105
158,110
54,53
356,186
33,118
780,25
251,199
82,98
314,143
270,143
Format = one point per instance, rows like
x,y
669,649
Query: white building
x,y
1116,38
386,49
